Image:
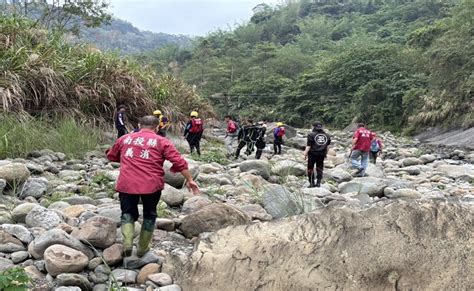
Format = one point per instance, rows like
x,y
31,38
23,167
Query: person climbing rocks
x,y
315,152
278,134
120,119
231,134
376,147
360,150
193,132
164,123
247,138
141,155
260,143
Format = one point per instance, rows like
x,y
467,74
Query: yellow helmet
x,y
194,114
279,124
157,112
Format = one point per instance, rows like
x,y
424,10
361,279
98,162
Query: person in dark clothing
x,y
278,134
247,138
260,142
193,132
120,119
316,151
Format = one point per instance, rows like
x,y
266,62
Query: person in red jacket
x,y
231,134
360,149
193,132
141,155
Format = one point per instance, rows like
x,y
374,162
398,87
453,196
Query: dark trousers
x,y
129,204
277,145
194,141
318,160
240,146
260,145
162,132
373,156
121,131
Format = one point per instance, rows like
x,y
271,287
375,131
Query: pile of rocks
x,y
59,218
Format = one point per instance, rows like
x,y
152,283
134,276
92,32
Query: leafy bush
x,y
14,279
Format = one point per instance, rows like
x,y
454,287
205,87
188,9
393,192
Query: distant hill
x,y
122,35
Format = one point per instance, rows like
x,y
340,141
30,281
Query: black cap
x,y
318,125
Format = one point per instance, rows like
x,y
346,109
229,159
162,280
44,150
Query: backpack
x,y
374,146
279,131
196,126
232,127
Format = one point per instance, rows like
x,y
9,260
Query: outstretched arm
x,y
190,183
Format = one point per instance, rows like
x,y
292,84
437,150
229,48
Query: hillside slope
x,y
393,65
123,36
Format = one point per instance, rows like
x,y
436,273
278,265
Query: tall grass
x,y
22,135
42,74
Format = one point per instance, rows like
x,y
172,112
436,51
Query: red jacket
x,y
364,138
141,156
231,127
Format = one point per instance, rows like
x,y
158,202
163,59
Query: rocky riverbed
x,y
409,220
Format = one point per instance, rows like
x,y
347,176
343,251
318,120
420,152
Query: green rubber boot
x,y
146,235
128,230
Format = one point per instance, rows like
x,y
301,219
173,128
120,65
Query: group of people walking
x,y
142,153
365,144
252,136
192,131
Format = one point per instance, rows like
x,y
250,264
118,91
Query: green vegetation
x,y
393,64
212,155
162,210
14,279
18,137
72,89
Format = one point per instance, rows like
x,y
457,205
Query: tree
x,y
63,15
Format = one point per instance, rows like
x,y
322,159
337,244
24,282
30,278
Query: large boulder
x,y
14,173
34,187
18,231
411,162
5,264
60,259
195,203
9,244
374,171
176,179
56,236
172,196
255,211
212,218
69,279
403,193
99,231
339,175
288,167
5,216
258,167
297,142
280,202
403,246
464,172
20,212
42,217
365,185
